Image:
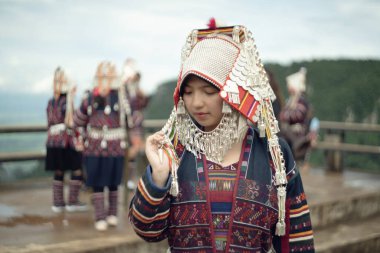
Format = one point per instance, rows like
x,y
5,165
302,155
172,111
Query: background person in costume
x,y
296,116
138,101
61,155
278,103
214,184
103,113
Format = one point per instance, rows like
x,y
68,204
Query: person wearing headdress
x,y
131,80
104,114
296,116
61,154
214,183
278,103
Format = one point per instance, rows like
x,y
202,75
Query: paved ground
x,y
27,223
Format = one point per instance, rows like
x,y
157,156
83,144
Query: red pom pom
x,y
96,91
212,23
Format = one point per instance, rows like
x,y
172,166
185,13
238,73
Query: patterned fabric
x,y
74,187
92,115
138,102
103,158
56,111
98,202
186,221
221,185
295,112
58,199
295,118
112,203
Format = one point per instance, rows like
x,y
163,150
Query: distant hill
x,y
337,89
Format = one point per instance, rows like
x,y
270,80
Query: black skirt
x,y
63,159
103,171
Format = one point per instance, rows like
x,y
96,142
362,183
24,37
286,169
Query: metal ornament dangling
x,y
226,108
181,107
103,144
123,144
262,129
174,188
89,110
107,110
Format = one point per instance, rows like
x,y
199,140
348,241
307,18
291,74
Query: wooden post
x,y
334,158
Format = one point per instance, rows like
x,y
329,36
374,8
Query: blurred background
x,y
337,41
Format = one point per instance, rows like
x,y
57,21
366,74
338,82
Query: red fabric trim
x,y
211,225
242,152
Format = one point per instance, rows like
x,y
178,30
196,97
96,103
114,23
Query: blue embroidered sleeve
x,y
299,233
149,209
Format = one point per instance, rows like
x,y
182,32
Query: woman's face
x,y
203,102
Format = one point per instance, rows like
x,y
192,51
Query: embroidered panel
x,y
245,239
195,237
254,214
94,148
250,190
191,191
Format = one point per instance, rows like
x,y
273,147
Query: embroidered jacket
x,y
57,134
185,220
104,136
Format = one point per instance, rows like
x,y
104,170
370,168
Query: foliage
x,y
335,88
339,90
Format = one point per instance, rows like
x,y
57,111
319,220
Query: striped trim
x,y
192,248
243,247
187,202
153,233
299,211
189,226
305,238
145,219
151,200
243,224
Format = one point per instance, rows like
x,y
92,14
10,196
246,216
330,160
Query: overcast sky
x,y
36,36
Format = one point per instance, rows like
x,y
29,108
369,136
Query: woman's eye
x,y
187,92
211,92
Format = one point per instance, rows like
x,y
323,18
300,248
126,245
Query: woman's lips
x,y
201,115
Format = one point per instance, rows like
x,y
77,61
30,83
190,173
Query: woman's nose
x,y
197,100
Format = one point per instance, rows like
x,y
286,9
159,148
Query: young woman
x,y
103,113
138,101
236,188
296,117
61,155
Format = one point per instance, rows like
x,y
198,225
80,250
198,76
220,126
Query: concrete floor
x,y
27,223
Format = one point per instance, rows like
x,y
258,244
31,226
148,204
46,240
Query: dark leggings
x,y
111,188
59,176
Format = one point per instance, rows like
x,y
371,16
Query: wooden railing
x,y
335,145
149,125
333,141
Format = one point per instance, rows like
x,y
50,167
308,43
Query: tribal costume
x,y
103,113
256,205
61,154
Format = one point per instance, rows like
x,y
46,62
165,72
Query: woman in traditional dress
x,y
103,113
215,184
61,154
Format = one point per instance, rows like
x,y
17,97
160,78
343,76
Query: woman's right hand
x,y
160,169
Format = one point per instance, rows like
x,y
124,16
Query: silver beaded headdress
x,y
106,75
60,82
227,58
